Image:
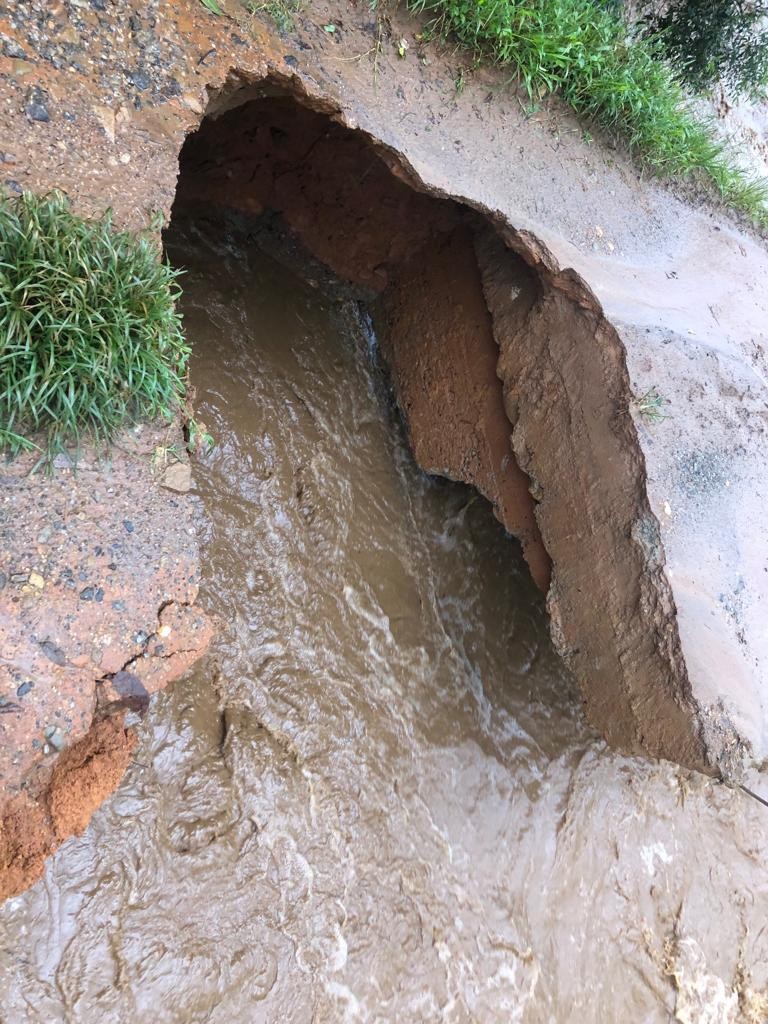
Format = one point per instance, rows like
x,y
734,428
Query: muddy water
x,y
375,800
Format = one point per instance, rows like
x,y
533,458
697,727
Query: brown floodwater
x,y
375,800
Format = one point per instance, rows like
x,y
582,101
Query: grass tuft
x,y
282,12
583,51
89,334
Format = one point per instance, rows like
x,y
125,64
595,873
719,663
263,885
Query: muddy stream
x,y
375,800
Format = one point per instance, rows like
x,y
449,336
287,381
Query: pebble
x,y
36,580
36,104
178,477
24,689
13,50
19,577
140,79
88,594
53,652
128,525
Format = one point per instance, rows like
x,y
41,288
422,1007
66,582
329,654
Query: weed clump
x,y
717,40
584,51
89,334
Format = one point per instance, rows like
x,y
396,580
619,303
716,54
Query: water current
x,y
375,800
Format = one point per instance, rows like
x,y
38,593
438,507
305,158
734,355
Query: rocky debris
x,y
89,592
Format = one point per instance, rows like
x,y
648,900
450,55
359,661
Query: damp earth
x,y
376,798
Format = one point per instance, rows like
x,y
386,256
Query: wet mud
x,y
376,798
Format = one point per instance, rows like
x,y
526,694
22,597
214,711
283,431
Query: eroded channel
x,y
375,800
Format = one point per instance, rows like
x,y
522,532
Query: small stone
x,y
53,653
45,535
24,689
164,631
171,88
13,50
99,595
36,580
119,606
14,187
106,118
140,79
19,577
178,477
290,60
192,103
36,104
140,637
88,594
129,527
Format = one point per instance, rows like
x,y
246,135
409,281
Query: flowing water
x,y
375,800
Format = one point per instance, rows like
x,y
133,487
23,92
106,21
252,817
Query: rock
x,y
13,50
140,79
178,477
53,653
36,580
36,104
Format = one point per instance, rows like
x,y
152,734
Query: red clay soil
x,y
440,343
84,776
98,575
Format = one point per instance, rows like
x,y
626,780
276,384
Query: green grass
x,y
282,12
89,335
582,51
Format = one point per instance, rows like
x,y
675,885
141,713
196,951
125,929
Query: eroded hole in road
x,y
376,798
410,254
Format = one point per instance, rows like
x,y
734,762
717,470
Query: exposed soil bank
x,y
99,575
657,533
